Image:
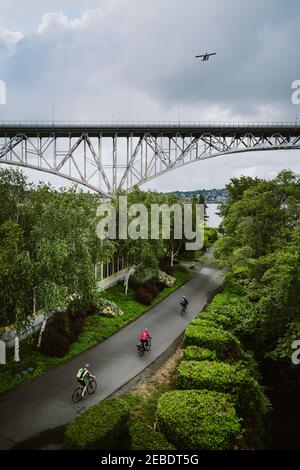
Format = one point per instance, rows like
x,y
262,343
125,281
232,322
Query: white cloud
x,y
9,40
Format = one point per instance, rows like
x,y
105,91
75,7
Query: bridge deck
x,y
138,129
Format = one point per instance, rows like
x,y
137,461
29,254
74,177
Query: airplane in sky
x,y
205,56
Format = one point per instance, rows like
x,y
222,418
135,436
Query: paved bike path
x,y
45,403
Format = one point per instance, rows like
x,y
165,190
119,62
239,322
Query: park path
x,y
35,408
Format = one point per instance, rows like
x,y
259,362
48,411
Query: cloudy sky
x,y
134,60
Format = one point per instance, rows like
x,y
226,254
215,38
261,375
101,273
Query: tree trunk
x,y
172,257
126,280
17,349
42,331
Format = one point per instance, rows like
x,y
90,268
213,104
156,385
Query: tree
x,y
15,279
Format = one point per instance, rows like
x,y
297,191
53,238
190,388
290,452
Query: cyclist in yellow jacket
x,y
84,376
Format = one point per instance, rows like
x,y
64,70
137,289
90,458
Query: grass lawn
x,y
96,329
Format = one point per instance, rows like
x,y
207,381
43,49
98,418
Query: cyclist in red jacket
x,y
145,337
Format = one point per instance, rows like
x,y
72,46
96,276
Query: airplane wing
x,y
212,53
203,55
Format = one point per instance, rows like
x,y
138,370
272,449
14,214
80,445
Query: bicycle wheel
x,y
92,387
141,352
148,345
77,395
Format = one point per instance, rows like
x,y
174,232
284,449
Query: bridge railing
x,y
150,124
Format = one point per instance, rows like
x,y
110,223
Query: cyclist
x,y
184,302
145,337
84,376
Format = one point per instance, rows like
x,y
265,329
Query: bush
x,y
166,279
165,266
134,283
231,311
76,325
144,437
211,233
143,296
198,420
223,342
152,289
204,322
219,320
100,427
54,343
158,284
194,353
221,377
108,308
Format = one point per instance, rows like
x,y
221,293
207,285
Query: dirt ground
x,y
164,376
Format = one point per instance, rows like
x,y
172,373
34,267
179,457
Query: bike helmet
x,y
87,366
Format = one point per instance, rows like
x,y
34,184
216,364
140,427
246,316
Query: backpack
x,y
81,373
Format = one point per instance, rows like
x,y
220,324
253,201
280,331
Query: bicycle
x,y
90,389
183,309
142,348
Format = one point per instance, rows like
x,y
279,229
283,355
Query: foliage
x,y
222,342
247,394
166,279
196,353
144,437
100,427
198,420
108,308
143,296
284,350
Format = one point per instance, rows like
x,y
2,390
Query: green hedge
x,y
223,342
199,420
220,320
221,377
209,323
144,437
102,426
231,311
195,353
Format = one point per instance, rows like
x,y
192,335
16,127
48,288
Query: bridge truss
x,y
107,157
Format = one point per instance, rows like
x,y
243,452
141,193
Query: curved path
x,y
45,403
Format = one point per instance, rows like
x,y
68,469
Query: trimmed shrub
x,y
143,296
194,353
198,420
220,320
223,342
230,310
221,377
205,323
100,427
54,343
144,437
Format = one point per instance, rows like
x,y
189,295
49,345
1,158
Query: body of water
x,y
214,220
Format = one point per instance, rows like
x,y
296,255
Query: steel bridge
x,y
106,157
